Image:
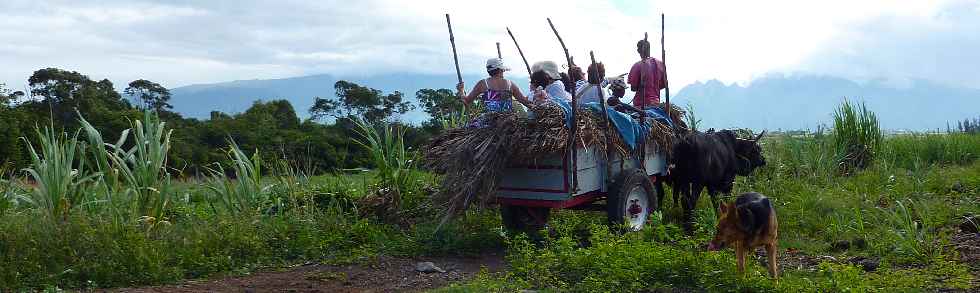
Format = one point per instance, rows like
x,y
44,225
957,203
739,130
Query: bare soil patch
x,y
385,274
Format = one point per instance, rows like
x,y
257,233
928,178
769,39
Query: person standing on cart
x,y
647,77
496,92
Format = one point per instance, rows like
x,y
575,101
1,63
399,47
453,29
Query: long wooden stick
x,y
498,51
519,51
663,58
452,41
605,117
567,56
574,126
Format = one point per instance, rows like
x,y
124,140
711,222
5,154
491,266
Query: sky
x,y
181,42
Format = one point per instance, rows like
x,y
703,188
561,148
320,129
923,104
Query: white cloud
x,y
939,45
185,42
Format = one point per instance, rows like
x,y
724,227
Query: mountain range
x,y
197,101
775,101
793,102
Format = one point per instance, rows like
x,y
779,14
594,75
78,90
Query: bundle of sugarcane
x,y
547,135
677,116
444,146
661,135
471,160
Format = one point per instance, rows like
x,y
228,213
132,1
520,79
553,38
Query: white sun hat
x,y
496,63
549,67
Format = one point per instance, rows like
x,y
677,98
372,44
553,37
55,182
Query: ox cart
x,y
581,179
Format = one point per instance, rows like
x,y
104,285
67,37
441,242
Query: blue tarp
x,y
631,130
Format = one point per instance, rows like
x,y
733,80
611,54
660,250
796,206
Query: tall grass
x,y
246,193
143,166
109,185
456,119
393,161
857,135
806,156
692,119
916,151
135,178
62,184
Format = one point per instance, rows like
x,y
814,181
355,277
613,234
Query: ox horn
x,y
758,137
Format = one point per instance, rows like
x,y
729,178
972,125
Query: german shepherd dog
x,y
746,224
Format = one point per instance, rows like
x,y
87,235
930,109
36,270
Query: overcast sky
x,y
179,42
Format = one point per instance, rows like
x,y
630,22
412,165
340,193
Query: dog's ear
x,y
744,219
766,203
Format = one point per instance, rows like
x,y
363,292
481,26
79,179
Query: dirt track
x,y
384,275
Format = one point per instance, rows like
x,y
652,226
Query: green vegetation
x,y
857,136
56,97
126,223
91,214
899,212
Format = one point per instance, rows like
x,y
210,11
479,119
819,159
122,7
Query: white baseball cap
x,y
496,63
549,67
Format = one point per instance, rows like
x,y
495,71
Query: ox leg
x,y
690,205
660,193
714,201
677,195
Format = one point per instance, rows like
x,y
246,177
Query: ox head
x,y
749,155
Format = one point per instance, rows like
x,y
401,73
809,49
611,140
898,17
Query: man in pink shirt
x,y
647,77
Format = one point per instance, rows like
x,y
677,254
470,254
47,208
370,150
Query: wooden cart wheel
x,y
523,218
631,200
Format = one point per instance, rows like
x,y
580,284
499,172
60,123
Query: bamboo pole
x,y
568,57
574,126
452,41
519,51
663,58
605,120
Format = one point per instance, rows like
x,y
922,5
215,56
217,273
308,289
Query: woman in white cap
x,y
496,92
546,82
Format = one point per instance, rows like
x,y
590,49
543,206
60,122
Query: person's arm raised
x,y
521,98
468,98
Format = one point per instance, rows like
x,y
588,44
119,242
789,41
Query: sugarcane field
x,y
502,146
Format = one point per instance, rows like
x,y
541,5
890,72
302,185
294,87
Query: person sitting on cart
x,y
647,77
496,92
618,88
546,83
587,90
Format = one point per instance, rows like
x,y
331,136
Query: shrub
x,y
9,195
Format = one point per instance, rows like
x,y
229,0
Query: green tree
x,y
151,94
64,91
11,149
7,96
356,101
439,104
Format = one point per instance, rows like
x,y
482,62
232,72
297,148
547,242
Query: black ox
x,y
710,160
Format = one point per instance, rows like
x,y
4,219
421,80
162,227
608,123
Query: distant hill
x,y
773,102
792,102
198,101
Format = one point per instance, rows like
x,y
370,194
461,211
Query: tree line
x,y
55,98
